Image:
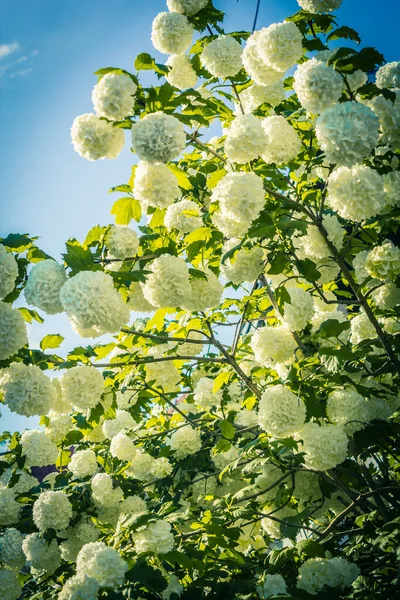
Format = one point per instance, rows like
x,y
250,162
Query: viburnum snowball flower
x,y
9,584
348,408
58,427
280,413
359,262
356,79
255,95
317,85
273,585
102,563
13,335
168,285
386,296
187,7
8,272
94,138
273,346
9,507
273,528
204,396
313,245
41,555
157,538
346,572
122,447
245,265
324,446
388,76
283,143
158,138
52,510
103,492
79,587
155,185
301,309
181,73
122,241
42,289
38,448
307,488
83,463
316,573
133,505
173,588
347,133
112,96
222,57
11,548
361,329
141,467
241,198
137,301
184,216
223,459
171,33
280,45
24,482
164,374
123,420
93,305
253,60
82,387
27,391
245,139
319,6
392,188
383,262
356,193
185,442
205,293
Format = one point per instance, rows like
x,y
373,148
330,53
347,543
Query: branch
x,y
165,338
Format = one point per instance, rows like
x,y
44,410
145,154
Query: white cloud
x,y
7,49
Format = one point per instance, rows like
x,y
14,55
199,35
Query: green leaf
x,y
17,241
157,219
35,255
51,341
203,233
95,235
278,264
121,188
73,437
227,430
215,177
198,274
279,557
307,268
125,209
332,328
78,258
30,315
144,62
311,549
175,557
183,179
220,380
344,32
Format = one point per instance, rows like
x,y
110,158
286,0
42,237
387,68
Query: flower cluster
x,y
222,57
273,346
383,262
8,272
168,284
281,413
43,287
204,395
187,7
13,335
79,587
41,555
319,6
205,292
245,139
255,64
324,446
282,142
356,193
280,45
38,448
348,408
181,73
155,185
82,387
10,586
94,138
245,265
388,76
27,391
171,33
11,548
300,310
255,95
317,85
157,537
185,441
101,563
122,242
315,573
123,420
112,96
83,464
158,137
52,510
184,216
273,585
9,507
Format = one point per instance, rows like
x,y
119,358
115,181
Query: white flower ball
x,y
204,396
122,241
157,538
205,293
356,193
42,289
171,33
161,468
181,74
348,408
13,335
314,574
186,7
185,442
164,374
301,309
347,133
383,262
38,448
122,447
388,76
112,96
317,85
79,587
346,572
93,305
184,216
273,528
245,265
253,60
307,488
280,45
255,95
273,585
41,555
83,463
281,413
158,137
246,418
283,143
137,301
95,139
27,391
361,329
273,346
52,510
102,563
356,79
123,420
222,57
8,272
10,586
24,482
319,6
245,139
386,296
168,285
82,387
58,427
359,262
11,548
155,185
103,493
133,505
324,446
9,507
392,188
142,467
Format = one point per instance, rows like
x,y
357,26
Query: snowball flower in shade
x,y
122,242
158,137
42,289
301,309
58,427
282,142
133,505
80,587
313,245
307,488
356,193
383,262
122,447
223,459
95,139
103,492
11,548
316,573
273,585
280,45
157,538
388,113
324,446
123,420
181,74
24,482
10,586
347,133
168,285
27,391
83,463
273,346
205,293
392,188
246,418
184,216
9,507
361,329
173,587
253,60
281,413
387,296
245,139
222,57
112,96
82,387
319,6
8,272
41,555
185,442
317,85
388,76
273,528
245,265
102,563
348,408
255,95
171,33
137,301
38,448
93,305
204,396
52,510
155,185
141,467
356,79
346,572
186,7
13,335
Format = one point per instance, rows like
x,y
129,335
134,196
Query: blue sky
x,y
49,50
